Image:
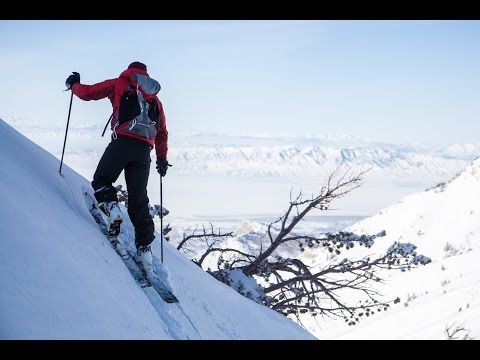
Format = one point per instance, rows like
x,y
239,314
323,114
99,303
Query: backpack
x,y
139,108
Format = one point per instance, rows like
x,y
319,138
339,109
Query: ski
x,y
133,267
157,284
162,290
136,272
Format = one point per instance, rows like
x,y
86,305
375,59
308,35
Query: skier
x,y
129,152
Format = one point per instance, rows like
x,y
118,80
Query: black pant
x,y
132,156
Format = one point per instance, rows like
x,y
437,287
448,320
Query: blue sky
x,y
395,81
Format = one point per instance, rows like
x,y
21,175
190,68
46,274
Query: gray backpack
x,y
139,107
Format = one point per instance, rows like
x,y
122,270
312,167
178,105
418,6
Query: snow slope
x,y
62,280
444,223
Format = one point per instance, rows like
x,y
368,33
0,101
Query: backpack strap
x,y
109,120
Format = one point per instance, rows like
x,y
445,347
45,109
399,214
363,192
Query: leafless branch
x,y
292,287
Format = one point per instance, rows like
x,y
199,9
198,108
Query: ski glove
x,y
72,79
162,166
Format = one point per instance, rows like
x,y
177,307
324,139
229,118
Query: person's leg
x,y
108,170
136,178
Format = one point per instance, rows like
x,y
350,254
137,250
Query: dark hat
x,y
138,65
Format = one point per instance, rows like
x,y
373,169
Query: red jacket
x,y
113,89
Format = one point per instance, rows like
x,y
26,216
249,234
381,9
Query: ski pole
x,y
161,214
161,220
66,131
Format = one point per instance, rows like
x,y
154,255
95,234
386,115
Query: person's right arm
x,y
97,91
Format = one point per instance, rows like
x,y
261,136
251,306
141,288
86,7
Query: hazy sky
x,y
397,81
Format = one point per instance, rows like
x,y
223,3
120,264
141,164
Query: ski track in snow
x,y
173,318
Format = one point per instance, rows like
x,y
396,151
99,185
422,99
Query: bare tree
x,y
293,287
206,240
457,333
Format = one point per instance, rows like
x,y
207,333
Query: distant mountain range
x,y
282,156
267,155
267,166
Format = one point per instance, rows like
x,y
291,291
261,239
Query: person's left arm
x,y
161,139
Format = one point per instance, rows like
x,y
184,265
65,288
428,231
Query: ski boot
x,y
112,216
143,258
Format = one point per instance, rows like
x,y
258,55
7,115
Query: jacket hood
x,y
127,73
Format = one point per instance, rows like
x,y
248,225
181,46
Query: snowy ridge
x,y
444,222
433,211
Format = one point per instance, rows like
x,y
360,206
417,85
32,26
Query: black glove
x,y
72,79
162,166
